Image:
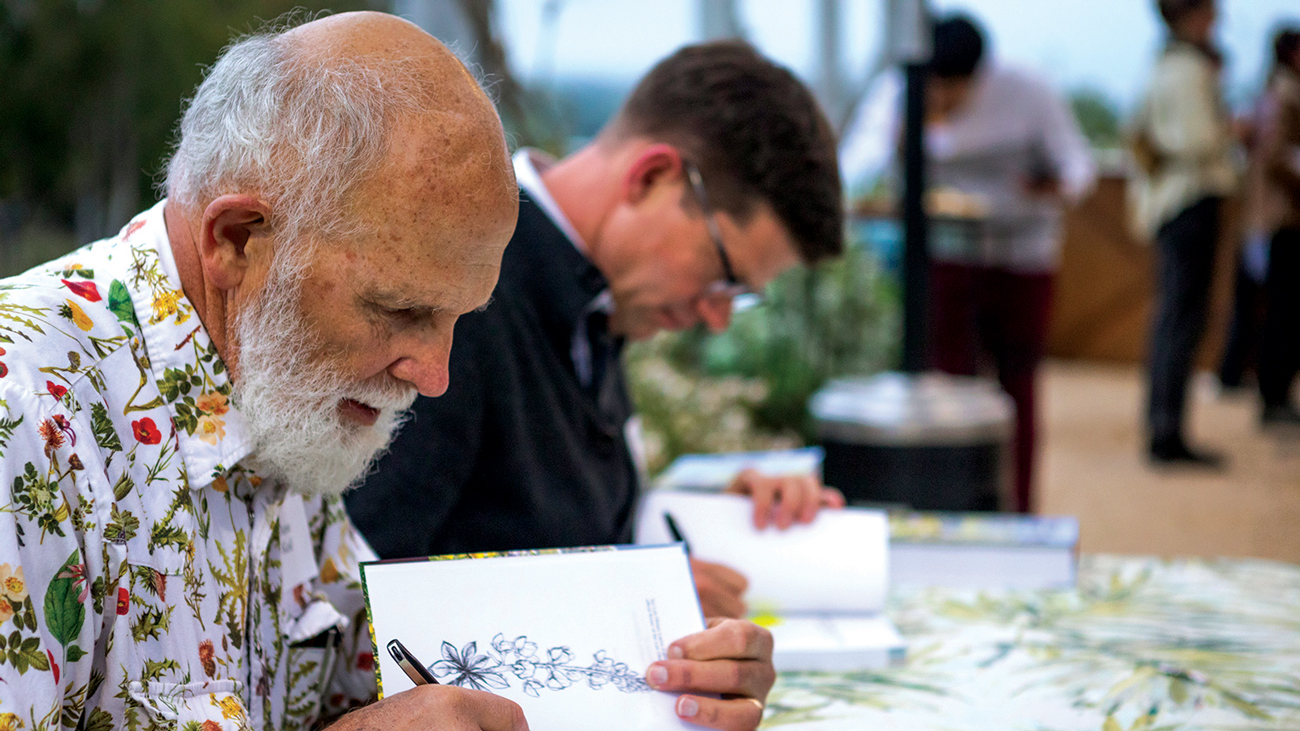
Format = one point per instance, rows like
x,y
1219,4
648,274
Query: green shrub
x,y
748,388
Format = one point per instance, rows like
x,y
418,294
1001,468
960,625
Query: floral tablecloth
x,y
1140,644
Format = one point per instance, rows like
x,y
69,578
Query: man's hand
x,y
732,658
784,500
720,589
437,708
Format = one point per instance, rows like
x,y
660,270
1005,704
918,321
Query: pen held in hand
x,y
414,669
677,533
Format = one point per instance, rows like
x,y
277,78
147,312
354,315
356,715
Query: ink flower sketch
x,y
552,670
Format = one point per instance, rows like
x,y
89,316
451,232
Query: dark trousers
x,y
1279,348
1185,250
1241,351
984,313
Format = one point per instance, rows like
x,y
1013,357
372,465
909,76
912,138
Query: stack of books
x,y
983,550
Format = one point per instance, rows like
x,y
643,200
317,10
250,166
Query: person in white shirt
x,y
1182,143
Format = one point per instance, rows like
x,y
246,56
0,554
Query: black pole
x,y
916,256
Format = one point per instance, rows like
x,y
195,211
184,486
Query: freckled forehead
x,y
448,174
442,209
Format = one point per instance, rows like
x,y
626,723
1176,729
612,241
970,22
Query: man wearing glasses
x,y
718,174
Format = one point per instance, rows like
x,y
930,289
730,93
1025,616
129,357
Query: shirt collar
x,y
529,164
210,433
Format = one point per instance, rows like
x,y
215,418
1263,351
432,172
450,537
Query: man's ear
x,y
228,223
654,164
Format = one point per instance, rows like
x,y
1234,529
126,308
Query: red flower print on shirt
x,y
53,665
123,600
207,656
366,661
146,432
77,572
135,226
64,426
85,290
55,389
51,435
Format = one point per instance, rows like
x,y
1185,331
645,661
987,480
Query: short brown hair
x,y
1285,42
1173,11
754,131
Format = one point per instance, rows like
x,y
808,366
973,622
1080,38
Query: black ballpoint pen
x,y
414,669
677,533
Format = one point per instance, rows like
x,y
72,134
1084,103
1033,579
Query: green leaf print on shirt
x,y
119,303
65,611
105,435
7,427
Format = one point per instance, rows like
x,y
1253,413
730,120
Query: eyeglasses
x,y
730,286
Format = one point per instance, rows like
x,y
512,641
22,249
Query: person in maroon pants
x,y
990,315
1003,137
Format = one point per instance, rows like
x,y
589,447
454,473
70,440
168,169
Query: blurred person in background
x,y
1273,196
1001,135
718,173
1182,143
1241,347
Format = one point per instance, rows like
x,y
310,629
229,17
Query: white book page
x,y
568,636
835,633
836,564
835,643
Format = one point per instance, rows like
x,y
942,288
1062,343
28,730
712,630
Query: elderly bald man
x,y
181,405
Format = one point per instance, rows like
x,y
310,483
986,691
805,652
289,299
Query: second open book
x,y
820,588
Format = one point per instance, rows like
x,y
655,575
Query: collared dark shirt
x,y
518,453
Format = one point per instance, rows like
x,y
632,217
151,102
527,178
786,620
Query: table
x,y
1142,644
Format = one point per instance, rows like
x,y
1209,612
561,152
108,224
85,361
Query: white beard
x,y
290,406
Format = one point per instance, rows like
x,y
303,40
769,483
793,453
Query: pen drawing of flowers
x,y
553,670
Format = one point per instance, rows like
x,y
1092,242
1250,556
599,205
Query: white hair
x,y
300,129
289,402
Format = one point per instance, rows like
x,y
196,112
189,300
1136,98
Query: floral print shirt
x,y
149,577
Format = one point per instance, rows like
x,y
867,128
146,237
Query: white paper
x,y
555,619
834,643
836,564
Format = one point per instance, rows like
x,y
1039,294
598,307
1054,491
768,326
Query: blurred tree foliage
x,y
529,115
838,318
1098,118
91,91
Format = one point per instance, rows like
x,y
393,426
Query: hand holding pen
x,y
430,706
414,669
719,588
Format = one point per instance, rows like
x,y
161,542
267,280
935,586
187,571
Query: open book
x,y
819,588
567,634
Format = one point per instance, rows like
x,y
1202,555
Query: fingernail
x,y
675,652
657,676
687,707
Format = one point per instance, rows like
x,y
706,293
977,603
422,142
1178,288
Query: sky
x,y
1105,45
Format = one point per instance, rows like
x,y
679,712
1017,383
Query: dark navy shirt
x,y
518,453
